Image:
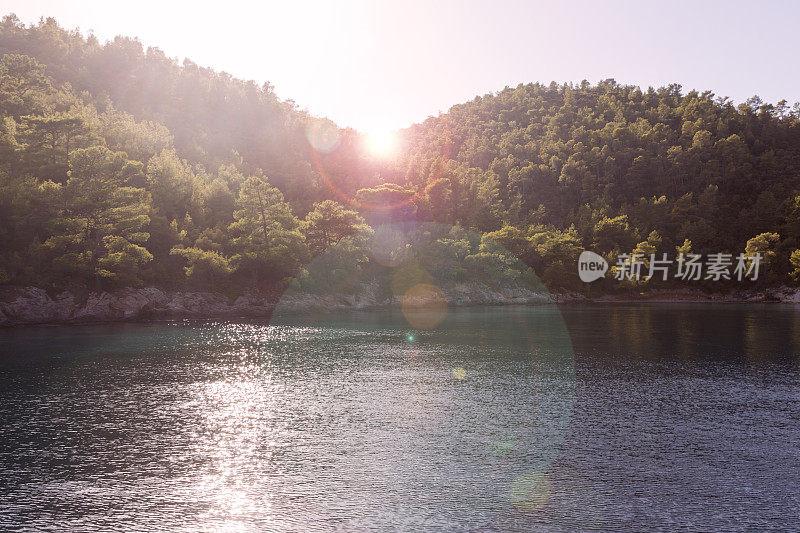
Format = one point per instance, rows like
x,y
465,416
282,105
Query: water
x,y
630,418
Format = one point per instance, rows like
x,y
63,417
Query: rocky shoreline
x,y
32,305
781,294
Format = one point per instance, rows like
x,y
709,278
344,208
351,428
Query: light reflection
x,y
381,399
235,432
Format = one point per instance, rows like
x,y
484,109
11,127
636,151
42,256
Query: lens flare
x,y
424,306
407,275
389,139
322,135
530,492
389,246
421,266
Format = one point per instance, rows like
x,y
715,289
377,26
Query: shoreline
x,y
34,306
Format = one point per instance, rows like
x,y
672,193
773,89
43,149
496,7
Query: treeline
x,y
119,166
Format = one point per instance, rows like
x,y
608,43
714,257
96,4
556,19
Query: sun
x,y
381,143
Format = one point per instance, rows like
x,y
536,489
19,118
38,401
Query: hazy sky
x,y
375,65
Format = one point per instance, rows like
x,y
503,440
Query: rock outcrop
x,y
31,305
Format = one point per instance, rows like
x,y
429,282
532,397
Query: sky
x,y
378,66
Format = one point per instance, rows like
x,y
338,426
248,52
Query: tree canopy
x,y
121,166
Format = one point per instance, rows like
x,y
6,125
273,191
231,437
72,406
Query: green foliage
x,y
644,251
684,249
266,235
763,244
329,223
119,165
206,266
172,184
387,202
218,203
794,258
23,85
140,140
557,253
99,230
514,240
613,233
49,140
338,270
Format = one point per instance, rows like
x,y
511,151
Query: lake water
x,y
623,417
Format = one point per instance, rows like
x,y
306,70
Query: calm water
x,y
586,418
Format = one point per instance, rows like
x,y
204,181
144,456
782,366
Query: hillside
x,y
120,167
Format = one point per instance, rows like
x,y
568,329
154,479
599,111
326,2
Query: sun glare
x,y
382,143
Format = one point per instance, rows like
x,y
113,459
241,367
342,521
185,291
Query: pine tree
x,y
99,232
329,223
266,235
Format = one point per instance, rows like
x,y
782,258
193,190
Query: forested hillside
x,y
121,167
